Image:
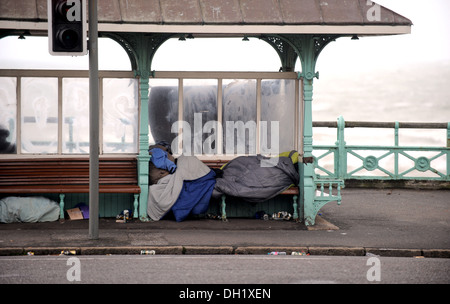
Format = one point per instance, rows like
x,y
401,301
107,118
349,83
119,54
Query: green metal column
x,y
143,158
308,166
308,48
141,47
308,60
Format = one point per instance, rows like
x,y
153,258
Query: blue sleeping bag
x,y
194,197
161,161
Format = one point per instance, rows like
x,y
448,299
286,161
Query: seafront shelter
x,y
139,107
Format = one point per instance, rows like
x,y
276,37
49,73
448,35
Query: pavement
x,y
382,222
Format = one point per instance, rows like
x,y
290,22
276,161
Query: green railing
x,y
391,162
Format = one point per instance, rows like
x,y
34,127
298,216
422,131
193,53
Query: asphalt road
x,y
222,269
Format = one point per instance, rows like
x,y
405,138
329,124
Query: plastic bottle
x,y
277,253
148,252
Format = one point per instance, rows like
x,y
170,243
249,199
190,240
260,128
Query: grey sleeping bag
x,y
28,209
256,178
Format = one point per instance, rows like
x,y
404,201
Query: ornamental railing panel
x,y
413,161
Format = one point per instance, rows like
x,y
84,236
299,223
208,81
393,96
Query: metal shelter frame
x,y
294,28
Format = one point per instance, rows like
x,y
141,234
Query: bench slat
x,y
290,191
35,189
67,175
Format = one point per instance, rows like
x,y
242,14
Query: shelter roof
x,y
222,17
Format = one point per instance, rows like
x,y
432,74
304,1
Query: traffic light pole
x,y
93,121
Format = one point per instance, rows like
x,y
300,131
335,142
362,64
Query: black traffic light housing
x,y
67,29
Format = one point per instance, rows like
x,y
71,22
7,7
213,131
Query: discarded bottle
x,y
68,252
277,253
298,253
281,215
148,252
124,216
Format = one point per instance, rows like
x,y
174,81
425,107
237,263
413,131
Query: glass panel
x,y
277,115
75,131
8,108
39,111
120,115
239,116
162,109
200,114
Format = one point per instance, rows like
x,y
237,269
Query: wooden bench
x,y
293,190
68,175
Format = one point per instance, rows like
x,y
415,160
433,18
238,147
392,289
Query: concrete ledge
x,y
397,184
207,250
390,252
130,250
268,249
49,250
436,253
11,251
347,251
227,250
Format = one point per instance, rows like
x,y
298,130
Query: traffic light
x,y
67,27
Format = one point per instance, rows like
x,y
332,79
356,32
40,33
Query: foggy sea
x,y
419,93
416,93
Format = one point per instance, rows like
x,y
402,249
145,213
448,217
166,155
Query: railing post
x,y
448,152
341,165
396,150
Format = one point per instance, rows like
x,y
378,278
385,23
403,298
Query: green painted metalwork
x,y
308,48
285,51
61,206
224,208
136,206
322,197
369,163
143,157
295,205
